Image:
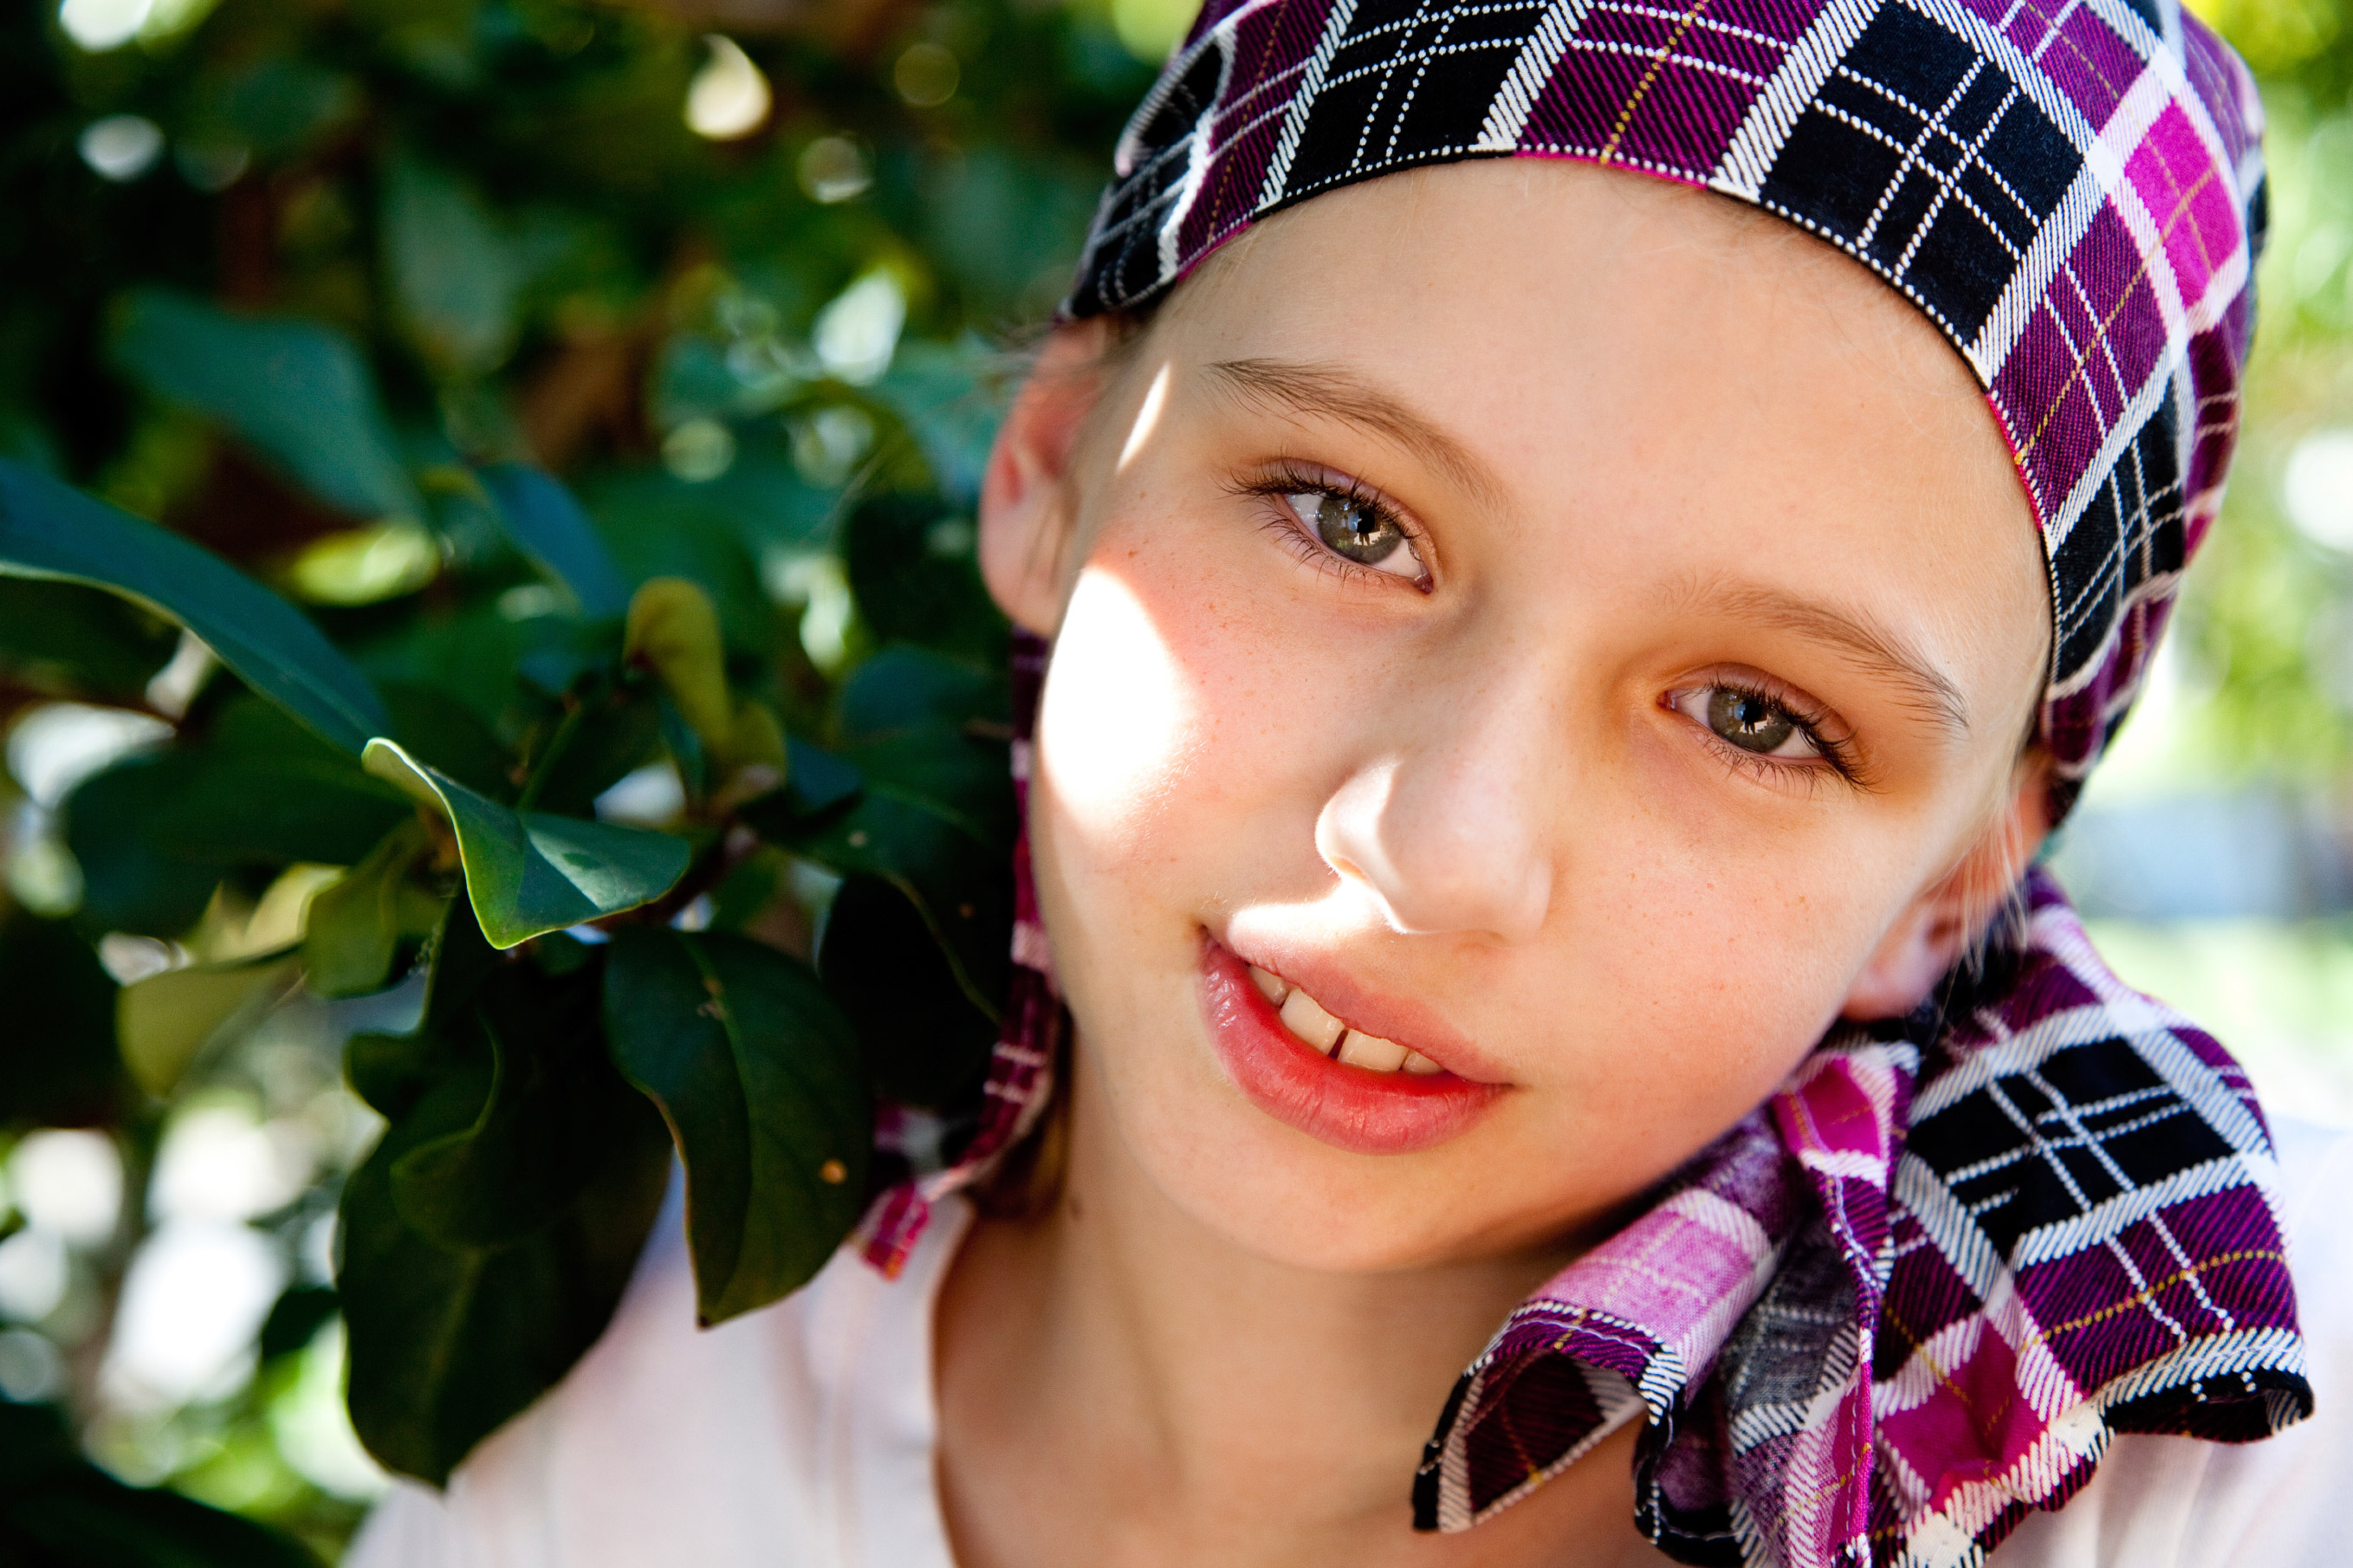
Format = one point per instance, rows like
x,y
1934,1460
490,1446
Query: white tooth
x,y
1416,1062
1270,986
1372,1051
1303,1017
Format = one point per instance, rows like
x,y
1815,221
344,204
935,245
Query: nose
x,y
1447,834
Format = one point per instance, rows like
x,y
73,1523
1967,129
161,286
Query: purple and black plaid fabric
x,y
2071,190
1905,1300
1914,1294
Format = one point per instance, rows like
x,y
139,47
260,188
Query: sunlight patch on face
x,y
1147,418
1112,725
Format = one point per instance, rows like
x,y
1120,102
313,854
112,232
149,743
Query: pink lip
x,y
1347,1107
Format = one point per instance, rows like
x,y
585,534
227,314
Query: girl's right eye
x,y
1358,530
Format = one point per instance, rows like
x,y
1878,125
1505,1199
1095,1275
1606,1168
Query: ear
x,y
1027,502
1937,928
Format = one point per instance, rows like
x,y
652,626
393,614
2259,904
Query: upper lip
x,y
1414,1025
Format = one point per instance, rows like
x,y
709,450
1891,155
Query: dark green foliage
x,y
925,1042
431,336
49,530
912,564
67,641
59,1510
488,1236
758,1078
61,1067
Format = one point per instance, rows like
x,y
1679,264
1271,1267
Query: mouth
x,y
1307,1067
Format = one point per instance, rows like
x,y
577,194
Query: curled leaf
x,y
530,872
673,629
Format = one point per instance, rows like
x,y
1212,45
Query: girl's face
x,y
1558,623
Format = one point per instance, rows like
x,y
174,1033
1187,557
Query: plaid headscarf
x,y
2071,190
1904,1301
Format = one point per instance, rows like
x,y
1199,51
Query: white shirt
x,y
802,1436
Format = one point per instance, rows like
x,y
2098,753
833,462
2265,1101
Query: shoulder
x,y
2176,1502
745,1443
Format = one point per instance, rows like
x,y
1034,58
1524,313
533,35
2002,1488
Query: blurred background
x,y
711,260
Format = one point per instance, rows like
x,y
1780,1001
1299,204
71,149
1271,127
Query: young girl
x,y
1552,680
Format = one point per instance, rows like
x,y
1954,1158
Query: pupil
x,y
1354,531
1749,723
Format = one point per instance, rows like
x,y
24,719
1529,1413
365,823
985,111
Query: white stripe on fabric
x,y
1807,64
1302,103
1200,154
1507,115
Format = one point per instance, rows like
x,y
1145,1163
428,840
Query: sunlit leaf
x,y
549,527
758,1075
295,391
53,530
164,1022
673,629
355,928
363,565
530,872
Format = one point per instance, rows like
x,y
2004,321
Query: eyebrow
x,y
1873,646
1328,392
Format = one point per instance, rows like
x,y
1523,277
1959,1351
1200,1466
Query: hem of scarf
x,y
1617,1394
2258,1401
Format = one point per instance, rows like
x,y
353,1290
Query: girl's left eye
x,y
1357,530
1749,719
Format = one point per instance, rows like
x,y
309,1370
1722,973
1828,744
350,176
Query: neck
x,y
1237,1409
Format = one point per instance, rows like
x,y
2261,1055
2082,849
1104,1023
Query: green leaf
x,y
546,1116
163,1023
64,1070
295,391
64,640
130,881
757,1074
952,397
924,1041
59,1510
915,572
447,1343
934,816
455,274
50,530
548,526
322,810
355,928
448,1339
529,872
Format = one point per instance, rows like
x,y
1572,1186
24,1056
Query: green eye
x,y
1356,530
1750,722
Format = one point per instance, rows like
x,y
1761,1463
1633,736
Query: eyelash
x,y
1839,755
1282,480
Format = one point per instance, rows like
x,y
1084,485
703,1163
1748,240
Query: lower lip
x,y
1350,1108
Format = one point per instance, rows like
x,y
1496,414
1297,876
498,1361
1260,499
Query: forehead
x,y
1673,383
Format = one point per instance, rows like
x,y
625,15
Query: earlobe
x,y
1026,503
1937,928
